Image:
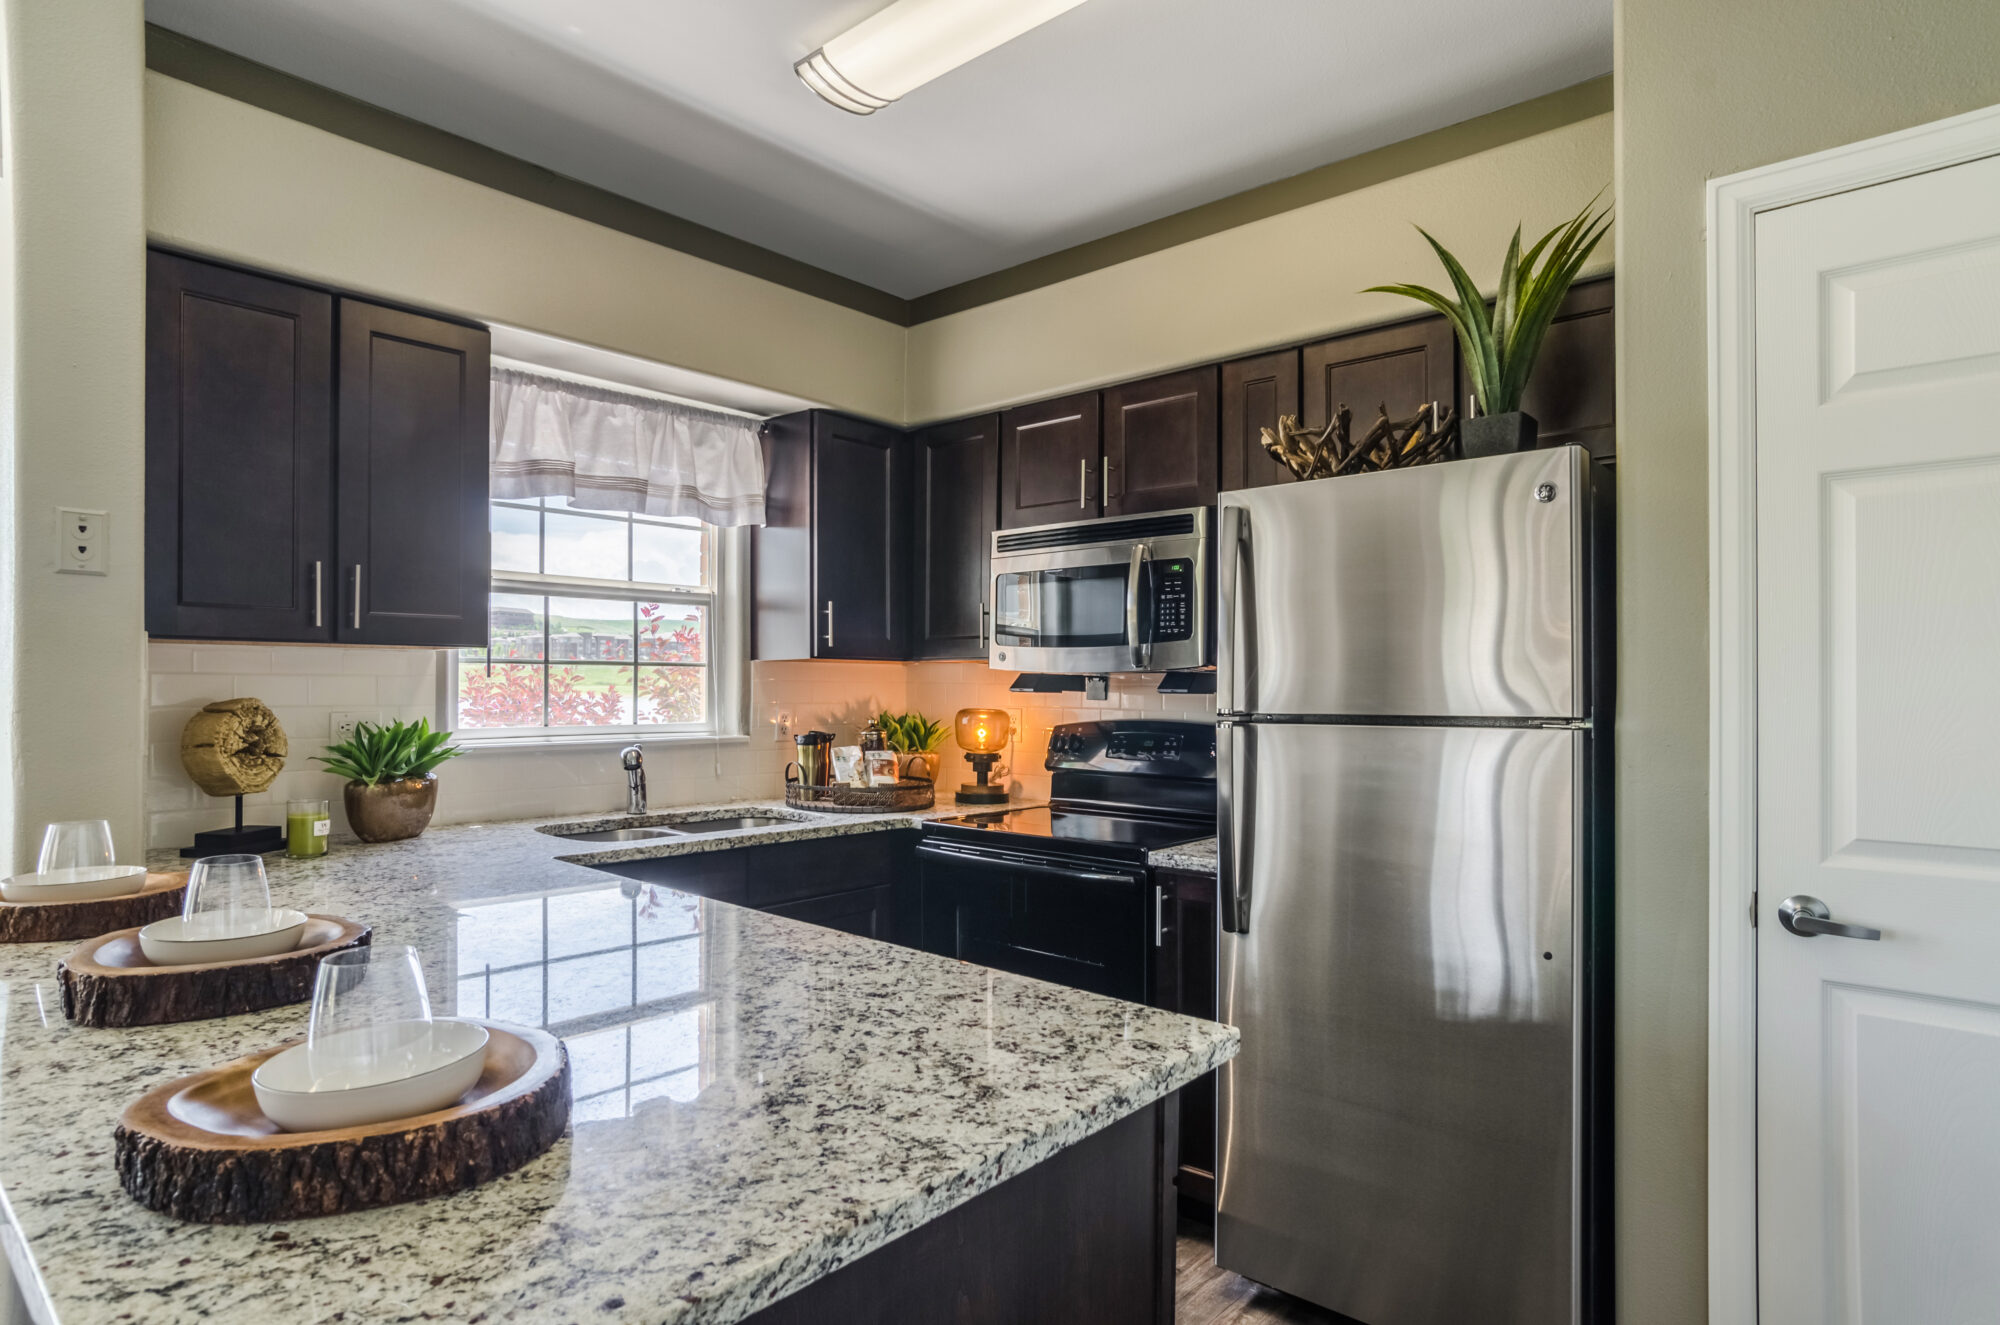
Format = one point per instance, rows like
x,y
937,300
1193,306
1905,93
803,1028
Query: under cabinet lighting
x,y
899,49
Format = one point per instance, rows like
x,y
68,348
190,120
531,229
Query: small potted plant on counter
x,y
915,739
391,791
1500,343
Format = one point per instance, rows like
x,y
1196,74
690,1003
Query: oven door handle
x,y
949,855
1142,650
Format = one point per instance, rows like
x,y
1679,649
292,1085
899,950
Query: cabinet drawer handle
x,y
1159,916
829,623
357,595
319,618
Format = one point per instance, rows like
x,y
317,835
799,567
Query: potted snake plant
x,y
915,739
391,790
1500,342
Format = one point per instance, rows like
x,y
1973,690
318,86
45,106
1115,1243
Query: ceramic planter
x,y
1497,434
922,764
391,811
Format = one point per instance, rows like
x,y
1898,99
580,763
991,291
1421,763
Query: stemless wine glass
x,y
371,1018
76,844
228,897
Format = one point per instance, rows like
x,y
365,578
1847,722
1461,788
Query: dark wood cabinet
x,y
1184,974
1573,393
315,466
239,455
1051,462
957,503
869,912
1403,368
413,549
1255,394
832,559
1160,443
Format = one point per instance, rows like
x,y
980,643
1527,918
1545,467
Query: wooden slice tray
x,y
200,1149
48,922
107,981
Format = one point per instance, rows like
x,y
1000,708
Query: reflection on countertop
x,y
758,1101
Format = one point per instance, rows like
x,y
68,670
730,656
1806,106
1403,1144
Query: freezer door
x,y
1445,590
1397,1138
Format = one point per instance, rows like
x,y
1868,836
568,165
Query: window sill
x,y
477,745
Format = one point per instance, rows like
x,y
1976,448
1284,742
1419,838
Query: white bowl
x,y
85,884
181,941
290,1096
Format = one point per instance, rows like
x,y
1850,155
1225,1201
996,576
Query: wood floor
x,y
1207,1294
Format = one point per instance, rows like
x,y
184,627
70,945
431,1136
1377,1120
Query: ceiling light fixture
x,y
901,48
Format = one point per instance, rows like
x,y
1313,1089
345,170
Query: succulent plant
x,y
377,754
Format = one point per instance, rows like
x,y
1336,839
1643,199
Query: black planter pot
x,y
1497,434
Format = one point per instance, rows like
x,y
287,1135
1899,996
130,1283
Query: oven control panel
x,y
1173,598
1134,746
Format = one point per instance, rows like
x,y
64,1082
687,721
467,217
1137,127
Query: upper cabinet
x,y
1573,393
1051,462
957,504
239,455
1159,443
1255,394
1401,368
412,464
261,522
832,559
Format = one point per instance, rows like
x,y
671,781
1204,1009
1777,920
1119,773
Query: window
x,y
600,620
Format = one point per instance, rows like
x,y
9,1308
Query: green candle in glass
x,y
306,828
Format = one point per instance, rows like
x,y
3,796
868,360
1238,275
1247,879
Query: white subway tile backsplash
x,y
175,690
275,691
343,691
232,658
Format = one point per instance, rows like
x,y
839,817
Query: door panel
x,y
1401,368
239,454
1049,458
1255,392
1397,1135
958,499
859,531
1445,590
413,480
1878,566
1159,443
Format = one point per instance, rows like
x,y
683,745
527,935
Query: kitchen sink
x,y
620,834
729,824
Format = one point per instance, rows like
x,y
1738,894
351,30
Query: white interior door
x,y
1878,695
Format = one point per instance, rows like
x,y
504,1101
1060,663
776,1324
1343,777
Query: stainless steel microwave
x,y
1115,595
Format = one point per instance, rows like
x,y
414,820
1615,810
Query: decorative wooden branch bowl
x,y
200,1149
107,981
49,922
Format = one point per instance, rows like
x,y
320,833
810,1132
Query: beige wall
x,y
1285,278
1707,88
72,430
230,180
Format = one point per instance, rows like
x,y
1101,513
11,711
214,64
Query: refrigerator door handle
x,y
1235,523
1232,797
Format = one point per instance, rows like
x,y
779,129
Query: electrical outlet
x,y
781,725
80,541
342,726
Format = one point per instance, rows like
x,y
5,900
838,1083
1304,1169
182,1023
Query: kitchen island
x,y
770,1117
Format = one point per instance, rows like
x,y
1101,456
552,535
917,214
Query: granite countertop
x,y
758,1101
1198,857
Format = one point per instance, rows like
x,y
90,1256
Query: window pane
x,y
592,695
590,629
517,539
596,1061
588,922
500,695
673,694
667,554
581,546
514,621
672,632
585,985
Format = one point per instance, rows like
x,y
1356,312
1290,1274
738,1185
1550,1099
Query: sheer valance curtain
x,y
608,450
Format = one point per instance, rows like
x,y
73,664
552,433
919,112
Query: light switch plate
x,y
81,537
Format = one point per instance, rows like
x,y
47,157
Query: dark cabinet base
x,y
1086,1235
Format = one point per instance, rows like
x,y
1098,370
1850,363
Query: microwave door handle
x,y
1142,650
1235,525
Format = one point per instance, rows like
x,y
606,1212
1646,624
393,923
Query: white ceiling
x,y
1116,113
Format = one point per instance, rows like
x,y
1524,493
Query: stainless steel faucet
x,y
634,760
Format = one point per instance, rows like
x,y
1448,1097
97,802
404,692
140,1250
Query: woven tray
x,y
909,794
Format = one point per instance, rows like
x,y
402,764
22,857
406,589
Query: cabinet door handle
x,y
829,623
985,629
1159,916
1083,485
357,595
319,569
1104,486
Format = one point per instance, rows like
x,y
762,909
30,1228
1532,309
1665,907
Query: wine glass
x,y
228,897
371,1018
76,845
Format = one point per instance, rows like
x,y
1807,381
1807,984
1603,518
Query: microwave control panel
x,y
1173,598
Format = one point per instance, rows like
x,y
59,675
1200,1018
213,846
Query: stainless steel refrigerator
x,y
1412,764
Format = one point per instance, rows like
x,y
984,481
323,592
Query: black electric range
x,y
1064,893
